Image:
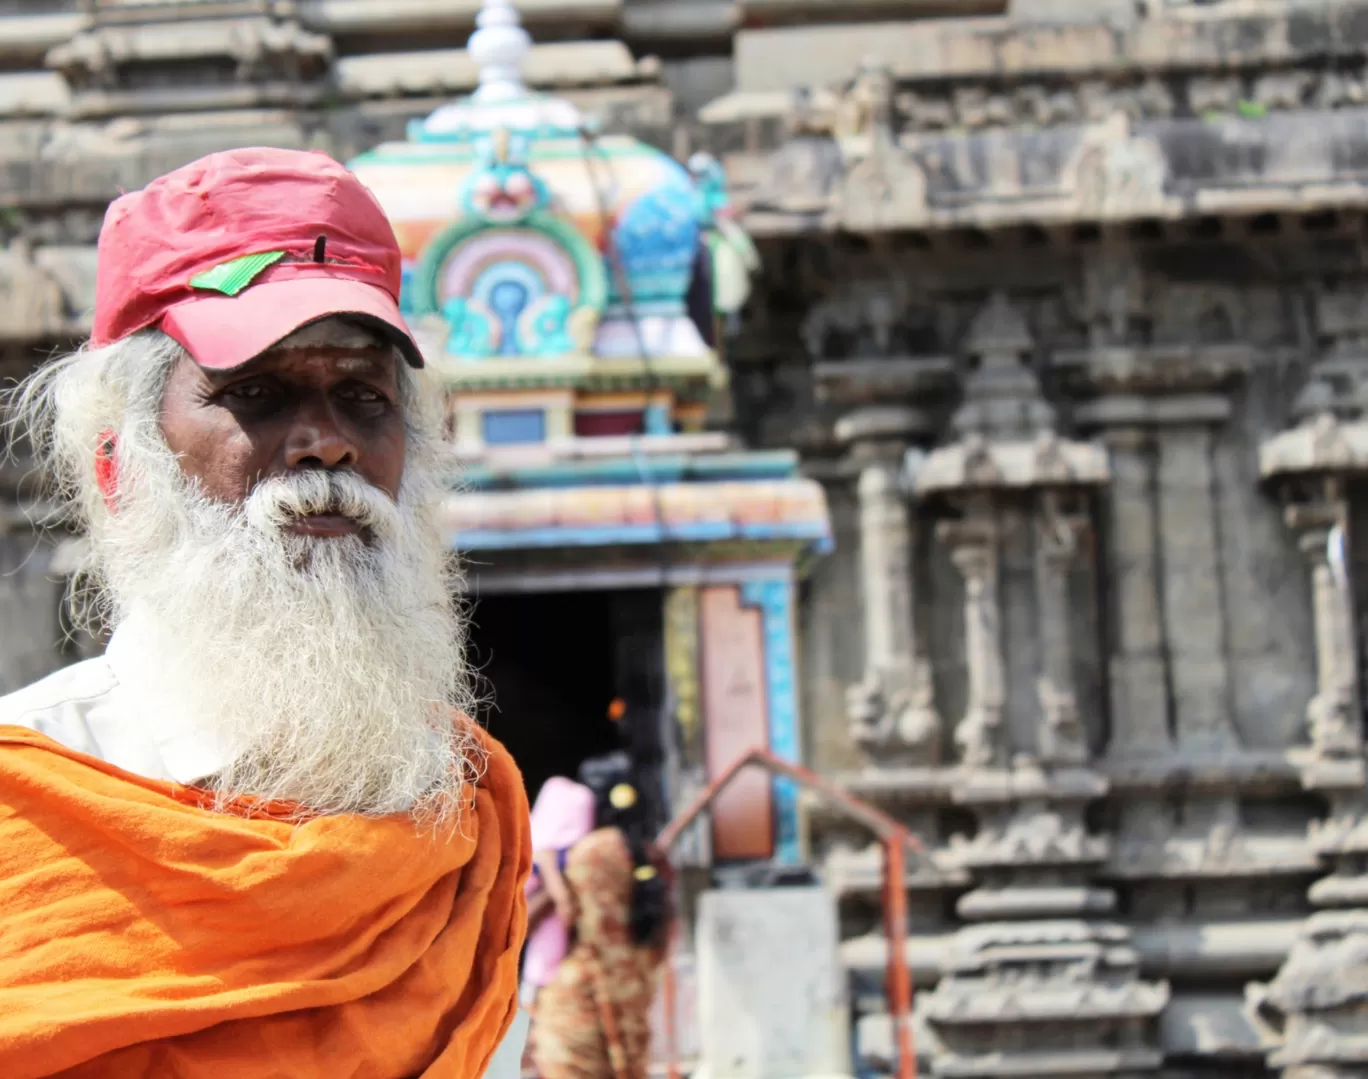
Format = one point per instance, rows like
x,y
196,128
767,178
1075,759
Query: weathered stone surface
x,y
453,72
1116,169
1084,42
766,1007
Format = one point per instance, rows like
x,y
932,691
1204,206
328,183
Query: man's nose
x,y
320,438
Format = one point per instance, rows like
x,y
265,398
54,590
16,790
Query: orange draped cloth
x,y
142,935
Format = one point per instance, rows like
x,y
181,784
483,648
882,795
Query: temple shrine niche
x,y
569,289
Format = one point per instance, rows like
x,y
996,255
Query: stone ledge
x,y
1322,445
1114,170
1229,950
1002,48
450,71
1241,771
1193,1024
406,16
30,36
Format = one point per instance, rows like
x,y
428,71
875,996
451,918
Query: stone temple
x,y
967,399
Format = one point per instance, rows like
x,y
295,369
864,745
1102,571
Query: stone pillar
x,y
1061,739
885,567
1332,718
1138,671
1194,616
973,547
892,712
1172,687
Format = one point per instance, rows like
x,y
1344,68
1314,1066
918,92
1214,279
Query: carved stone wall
x,y
1128,662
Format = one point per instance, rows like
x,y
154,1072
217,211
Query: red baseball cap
x,y
236,251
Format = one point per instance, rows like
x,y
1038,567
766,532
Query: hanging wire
x,y
651,380
651,384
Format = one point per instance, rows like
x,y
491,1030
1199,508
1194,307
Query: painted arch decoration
x,y
510,277
535,288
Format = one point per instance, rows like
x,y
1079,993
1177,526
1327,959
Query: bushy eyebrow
x,y
358,364
354,361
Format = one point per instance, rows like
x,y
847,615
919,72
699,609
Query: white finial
x,y
498,46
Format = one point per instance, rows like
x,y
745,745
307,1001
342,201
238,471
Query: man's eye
x,y
249,392
364,395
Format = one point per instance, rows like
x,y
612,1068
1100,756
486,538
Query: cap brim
x,y
223,332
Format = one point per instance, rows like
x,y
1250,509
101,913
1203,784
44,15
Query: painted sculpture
x,y
540,254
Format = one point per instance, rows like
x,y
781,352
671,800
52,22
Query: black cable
x,y
650,380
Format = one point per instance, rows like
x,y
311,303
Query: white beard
x,y
322,669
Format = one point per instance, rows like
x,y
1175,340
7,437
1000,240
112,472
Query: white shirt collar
x,y
189,749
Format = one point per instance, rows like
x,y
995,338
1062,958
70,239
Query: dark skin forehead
x,y
290,409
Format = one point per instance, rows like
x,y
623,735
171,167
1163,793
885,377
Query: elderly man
x,y
258,837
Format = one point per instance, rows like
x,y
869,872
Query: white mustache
x,y
277,501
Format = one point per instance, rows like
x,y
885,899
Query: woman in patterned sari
x,y
592,1020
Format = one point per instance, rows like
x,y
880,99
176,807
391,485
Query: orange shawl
x,y
142,935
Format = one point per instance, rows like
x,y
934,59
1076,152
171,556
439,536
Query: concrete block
x,y
771,991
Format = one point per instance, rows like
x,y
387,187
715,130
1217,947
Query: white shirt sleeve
x,y
507,1059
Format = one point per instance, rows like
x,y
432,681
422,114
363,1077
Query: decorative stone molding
x,y
908,106
1007,445
1332,408
1054,997
107,62
891,709
1031,822
1006,428
1311,1014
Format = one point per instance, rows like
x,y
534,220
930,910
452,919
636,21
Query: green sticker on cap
x,y
230,278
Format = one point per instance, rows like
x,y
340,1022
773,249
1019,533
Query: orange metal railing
x,y
896,840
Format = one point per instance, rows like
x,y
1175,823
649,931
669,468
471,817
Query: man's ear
x,y
106,470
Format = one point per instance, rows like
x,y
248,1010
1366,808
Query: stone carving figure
x,y
86,61
801,176
1062,737
976,735
867,106
32,301
1334,726
868,312
1117,173
248,48
893,714
1002,398
266,48
1114,304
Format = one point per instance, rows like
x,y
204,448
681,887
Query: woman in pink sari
x,y
561,817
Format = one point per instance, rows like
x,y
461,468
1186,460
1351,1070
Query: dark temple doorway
x,y
550,664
